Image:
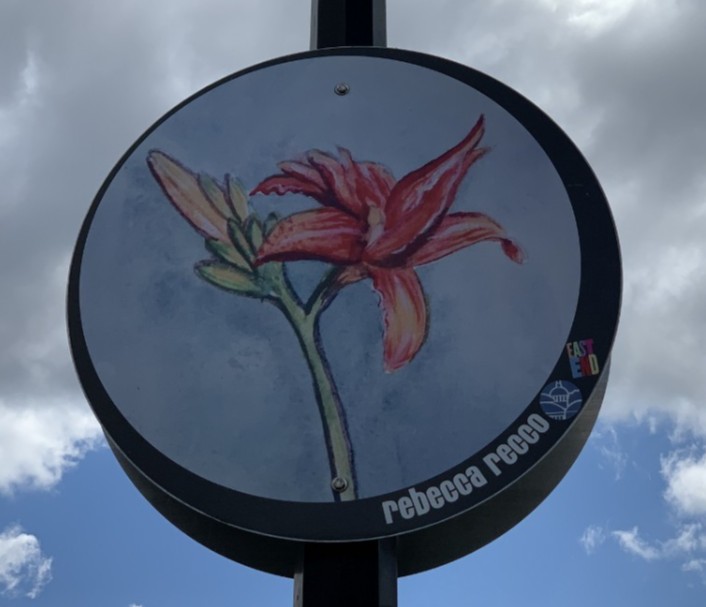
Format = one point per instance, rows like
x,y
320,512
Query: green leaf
x,y
215,194
227,277
238,197
253,228
227,252
270,223
240,240
271,274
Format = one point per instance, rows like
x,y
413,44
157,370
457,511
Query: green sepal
x,y
270,222
237,196
214,193
271,273
227,252
227,277
238,237
253,228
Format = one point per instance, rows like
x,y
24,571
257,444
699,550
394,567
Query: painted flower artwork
x,y
368,226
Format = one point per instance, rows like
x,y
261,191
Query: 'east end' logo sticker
x,y
582,360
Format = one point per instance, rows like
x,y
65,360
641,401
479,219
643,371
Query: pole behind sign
x,y
348,23
361,573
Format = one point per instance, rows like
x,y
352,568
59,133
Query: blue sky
x,y
79,82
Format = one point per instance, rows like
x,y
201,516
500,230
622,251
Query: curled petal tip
x,y
513,251
263,186
390,367
153,155
421,199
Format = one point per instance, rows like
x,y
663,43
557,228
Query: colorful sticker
x,y
582,359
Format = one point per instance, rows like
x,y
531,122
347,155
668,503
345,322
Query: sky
x,y
80,81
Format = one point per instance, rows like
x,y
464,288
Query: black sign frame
x,y
269,534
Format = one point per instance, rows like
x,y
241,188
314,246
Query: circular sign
x,y
345,295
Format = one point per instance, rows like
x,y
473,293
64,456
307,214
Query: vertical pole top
x,y
348,23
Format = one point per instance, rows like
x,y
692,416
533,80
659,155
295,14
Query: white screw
x,y
339,484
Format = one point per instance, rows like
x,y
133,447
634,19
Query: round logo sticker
x,y
560,400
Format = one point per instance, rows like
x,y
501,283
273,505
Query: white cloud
x,y
689,545
592,15
697,566
605,440
134,605
24,570
690,538
631,542
60,133
686,482
592,537
684,472
39,442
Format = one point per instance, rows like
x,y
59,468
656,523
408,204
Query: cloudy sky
x,y
81,80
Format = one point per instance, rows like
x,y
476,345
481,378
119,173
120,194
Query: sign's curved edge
x,y
270,510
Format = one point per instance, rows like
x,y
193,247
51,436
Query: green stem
x,y
335,427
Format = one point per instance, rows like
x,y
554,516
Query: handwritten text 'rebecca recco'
x,y
418,503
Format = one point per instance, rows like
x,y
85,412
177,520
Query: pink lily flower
x,y
381,228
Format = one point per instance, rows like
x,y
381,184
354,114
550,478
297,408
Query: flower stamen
x,y
376,223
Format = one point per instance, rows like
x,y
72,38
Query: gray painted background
x,y
218,383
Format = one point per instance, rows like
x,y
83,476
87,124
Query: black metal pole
x,y
352,574
360,574
348,23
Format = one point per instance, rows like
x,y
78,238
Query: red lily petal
x,y
343,183
370,183
460,230
304,171
341,179
297,178
420,199
513,250
380,178
324,234
182,188
404,311
290,184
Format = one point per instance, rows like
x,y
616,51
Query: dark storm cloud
x,y
81,80
627,82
